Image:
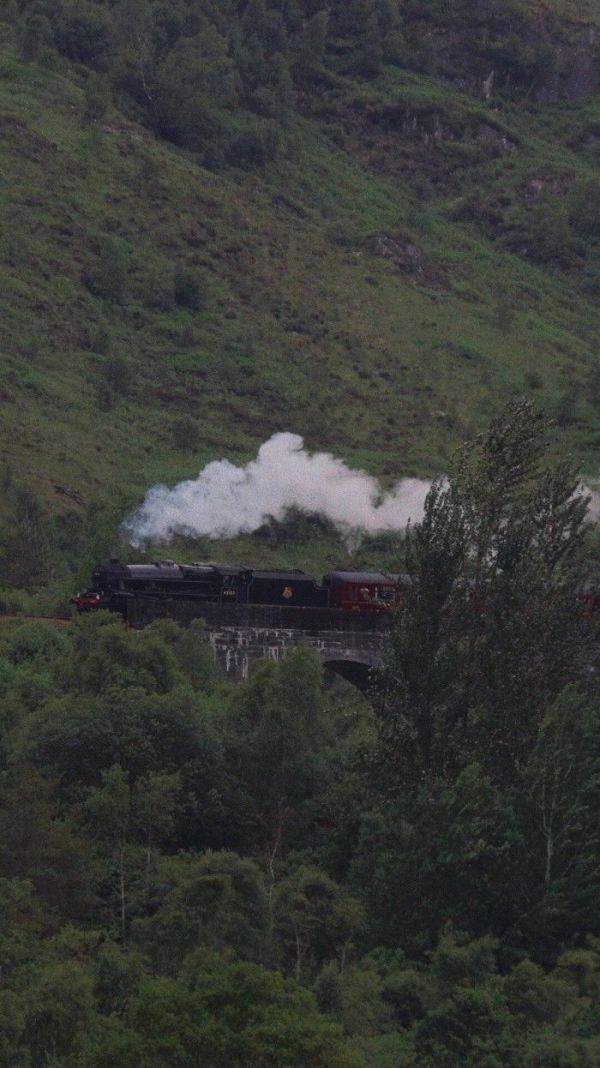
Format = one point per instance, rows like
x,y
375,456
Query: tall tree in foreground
x,y
488,756
490,630
281,743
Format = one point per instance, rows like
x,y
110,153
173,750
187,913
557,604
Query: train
x,y
136,591
114,585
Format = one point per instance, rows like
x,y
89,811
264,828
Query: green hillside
x,y
407,251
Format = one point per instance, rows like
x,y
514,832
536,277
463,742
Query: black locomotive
x,y
115,584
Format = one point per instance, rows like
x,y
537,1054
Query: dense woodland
x,y
286,872
224,78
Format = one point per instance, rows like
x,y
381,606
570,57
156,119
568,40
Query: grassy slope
x,y
304,327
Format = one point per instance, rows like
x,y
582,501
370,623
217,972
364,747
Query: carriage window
x,y
385,593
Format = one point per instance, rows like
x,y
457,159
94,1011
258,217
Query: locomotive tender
x,y
115,585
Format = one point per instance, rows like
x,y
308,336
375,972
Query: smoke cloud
x,y
226,500
591,489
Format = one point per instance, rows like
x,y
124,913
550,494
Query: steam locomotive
x,y
114,585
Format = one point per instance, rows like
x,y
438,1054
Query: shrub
x,y
85,34
593,384
108,277
545,236
96,101
10,13
584,209
185,434
36,35
346,233
566,411
533,380
117,374
100,339
187,289
519,63
254,147
155,289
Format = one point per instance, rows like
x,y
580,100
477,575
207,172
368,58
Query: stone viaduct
x,y
349,643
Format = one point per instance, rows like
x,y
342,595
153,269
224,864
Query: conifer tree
x,y
491,629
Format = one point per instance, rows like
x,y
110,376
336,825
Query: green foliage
x,y
220,905
25,543
36,35
142,757
518,61
196,656
281,742
97,99
155,288
465,1029
58,1011
501,537
381,144
39,846
545,236
84,33
584,209
185,434
116,375
195,83
561,779
314,920
254,147
188,293
107,279
467,832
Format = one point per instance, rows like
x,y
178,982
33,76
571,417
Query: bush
x,y
545,236
100,339
584,210
566,411
117,374
187,289
254,147
593,385
35,37
533,380
185,434
519,63
85,34
108,277
155,289
97,99
346,233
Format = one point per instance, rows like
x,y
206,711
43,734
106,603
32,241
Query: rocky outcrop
x,y
410,259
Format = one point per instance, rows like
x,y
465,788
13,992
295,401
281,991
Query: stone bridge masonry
x,y
349,643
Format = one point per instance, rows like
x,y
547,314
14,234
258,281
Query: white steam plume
x,y
591,489
226,500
